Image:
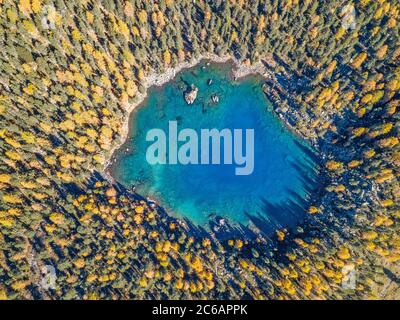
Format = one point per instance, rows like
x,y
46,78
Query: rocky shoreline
x,y
239,71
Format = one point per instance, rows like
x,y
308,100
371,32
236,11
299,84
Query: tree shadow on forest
x,y
391,276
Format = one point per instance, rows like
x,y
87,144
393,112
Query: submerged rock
x,y
191,94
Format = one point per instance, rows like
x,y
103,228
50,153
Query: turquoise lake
x,y
276,192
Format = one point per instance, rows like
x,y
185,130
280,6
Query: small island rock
x,y
191,95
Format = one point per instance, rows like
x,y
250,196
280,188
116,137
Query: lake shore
x,y
239,71
194,192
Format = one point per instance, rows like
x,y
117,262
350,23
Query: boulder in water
x,y
191,94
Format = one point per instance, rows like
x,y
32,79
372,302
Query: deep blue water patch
x,y
285,173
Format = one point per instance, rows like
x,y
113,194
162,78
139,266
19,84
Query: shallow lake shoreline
x,y
239,71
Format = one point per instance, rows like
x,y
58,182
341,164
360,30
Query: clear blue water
x,y
284,171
